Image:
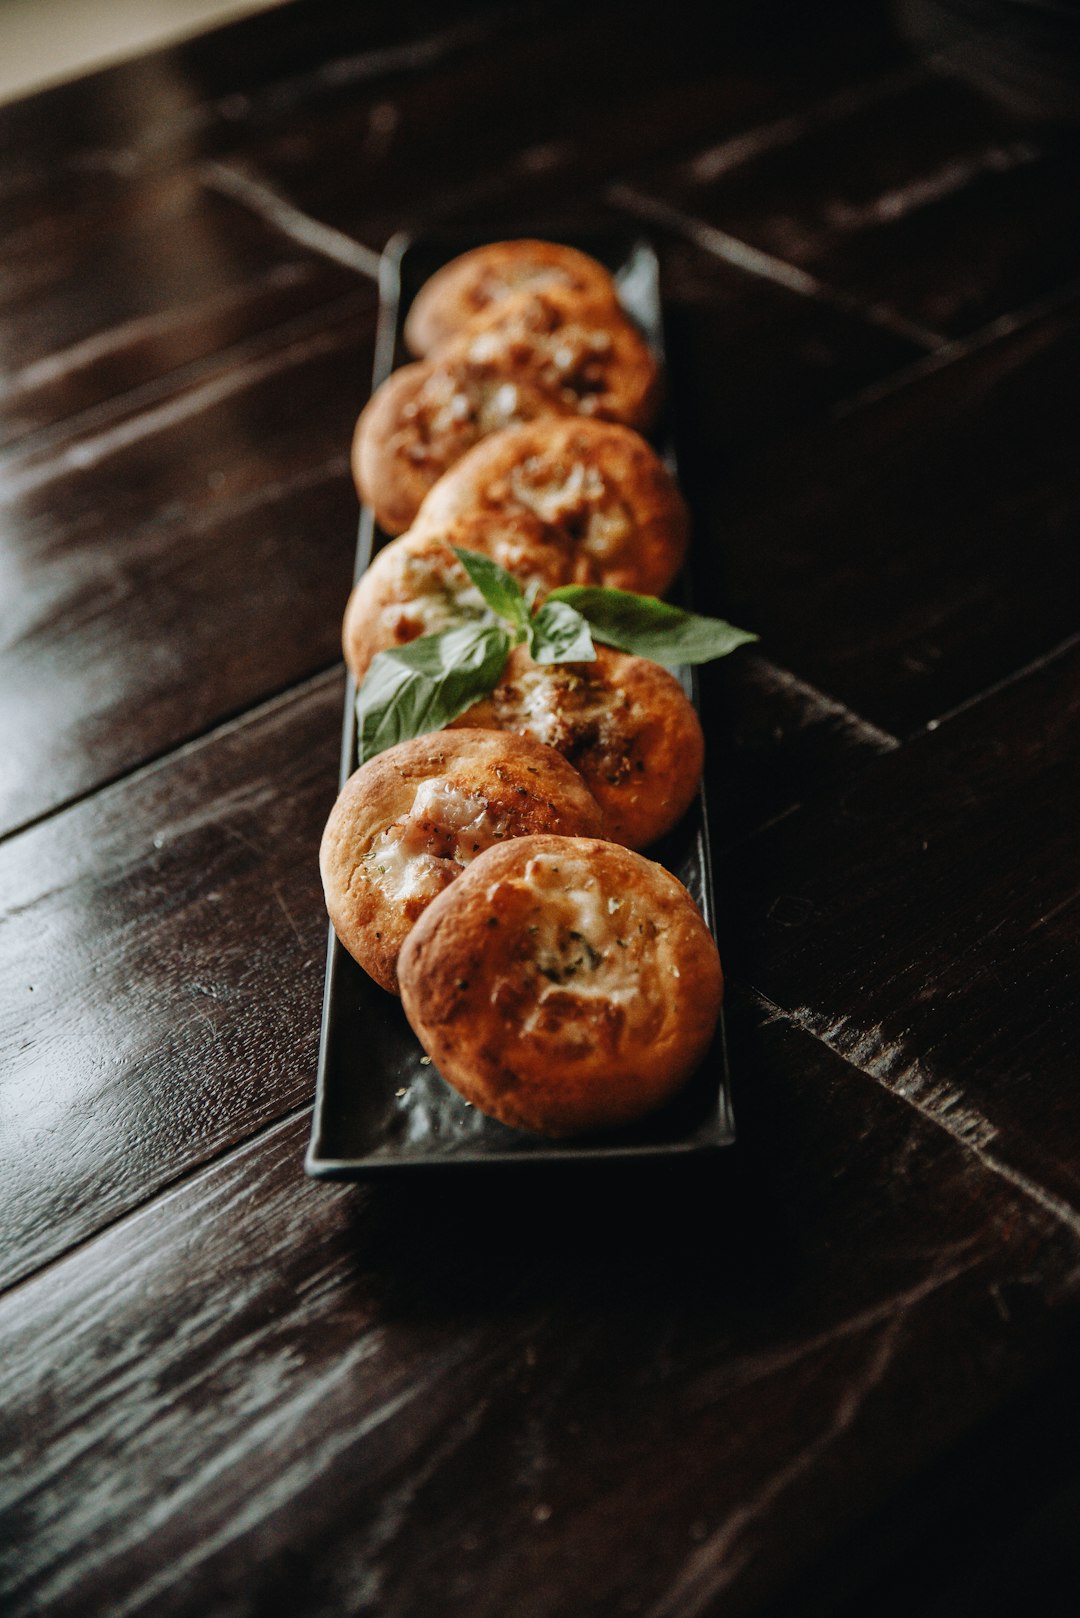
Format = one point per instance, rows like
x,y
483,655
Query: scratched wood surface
x,y
835,1377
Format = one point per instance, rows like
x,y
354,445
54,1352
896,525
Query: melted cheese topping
x,y
584,942
446,828
569,358
575,495
566,708
456,407
431,591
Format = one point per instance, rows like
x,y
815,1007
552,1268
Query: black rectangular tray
x,y
379,1103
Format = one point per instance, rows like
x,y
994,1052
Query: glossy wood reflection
x,y
180,564
164,942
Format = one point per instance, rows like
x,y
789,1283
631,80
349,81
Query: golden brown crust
x,y
591,356
563,985
468,286
593,489
534,354
623,722
423,418
409,820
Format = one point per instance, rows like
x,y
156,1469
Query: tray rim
x,y
571,1153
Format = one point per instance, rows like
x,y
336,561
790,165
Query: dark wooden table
x,y
833,1373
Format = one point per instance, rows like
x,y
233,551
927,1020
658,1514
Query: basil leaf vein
x,y
410,690
500,589
559,634
651,628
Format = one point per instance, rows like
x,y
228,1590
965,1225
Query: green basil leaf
x,y
410,690
500,589
649,627
558,634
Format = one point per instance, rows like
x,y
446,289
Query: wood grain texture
x,y
180,563
910,555
926,201
837,1378
465,1399
133,286
961,1003
161,954
751,361
165,109
572,103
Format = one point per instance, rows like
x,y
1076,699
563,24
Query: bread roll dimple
x,y
469,285
623,722
563,985
408,821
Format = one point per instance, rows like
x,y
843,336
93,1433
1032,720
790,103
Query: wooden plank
x,y
474,1399
569,107
166,108
181,563
929,203
117,292
162,957
774,742
907,557
752,361
924,924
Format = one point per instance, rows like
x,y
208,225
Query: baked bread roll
x,y
595,490
623,722
555,502
416,586
408,821
423,418
563,985
534,353
465,288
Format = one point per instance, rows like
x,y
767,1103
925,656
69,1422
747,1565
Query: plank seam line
x,y
766,267
409,56
968,1129
170,755
730,154
168,1188
712,1567
1041,662
959,348
132,403
243,186
81,454
820,705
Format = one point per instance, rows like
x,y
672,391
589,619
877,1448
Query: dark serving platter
x,y
380,1104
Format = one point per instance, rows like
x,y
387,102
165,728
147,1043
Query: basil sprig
x,y
426,684
422,686
650,628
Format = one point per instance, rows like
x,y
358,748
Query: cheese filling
x,y
432,592
567,357
584,942
456,407
576,498
418,856
567,709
